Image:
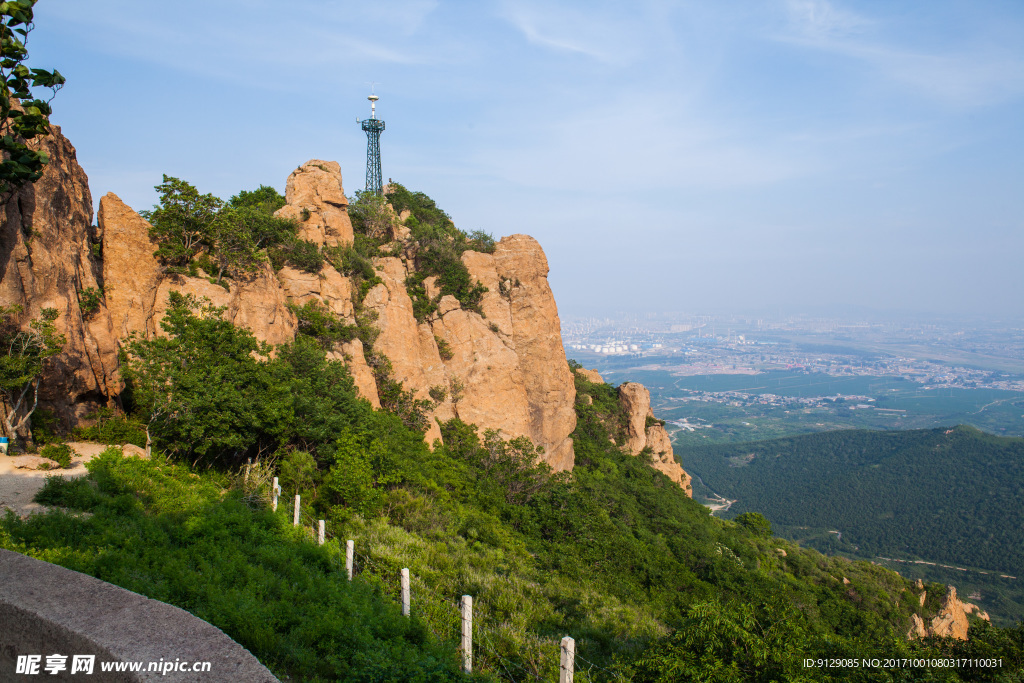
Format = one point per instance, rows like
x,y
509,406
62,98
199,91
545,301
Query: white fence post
x,y
567,665
320,536
405,592
350,551
295,515
467,633
275,491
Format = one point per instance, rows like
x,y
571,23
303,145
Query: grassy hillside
x,y
651,586
951,496
613,553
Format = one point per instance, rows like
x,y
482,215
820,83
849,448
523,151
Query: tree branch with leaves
x,y
23,117
23,359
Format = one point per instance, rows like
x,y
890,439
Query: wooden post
x,y
567,665
275,490
321,533
467,633
295,515
405,592
350,551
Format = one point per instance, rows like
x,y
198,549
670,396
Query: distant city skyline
x,y
792,155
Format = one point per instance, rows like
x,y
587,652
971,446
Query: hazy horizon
x,y
793,155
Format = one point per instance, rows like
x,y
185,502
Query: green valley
x,y
953,497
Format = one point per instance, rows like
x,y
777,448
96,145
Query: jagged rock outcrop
x,y
643,431
137,288
950,622
329,287
46,261
505,369
592,376
316,201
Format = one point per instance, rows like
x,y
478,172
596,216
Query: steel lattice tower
x,y
373,127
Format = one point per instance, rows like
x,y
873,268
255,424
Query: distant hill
x,y
945,495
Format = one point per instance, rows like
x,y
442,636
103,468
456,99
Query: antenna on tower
x,y
373,127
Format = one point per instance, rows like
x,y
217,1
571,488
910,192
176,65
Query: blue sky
x,y
711,157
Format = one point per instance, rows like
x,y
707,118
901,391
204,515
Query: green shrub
x,y
111,427
89,300
59,452
444,349
319,323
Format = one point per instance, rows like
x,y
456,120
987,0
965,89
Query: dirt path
x,y
19,486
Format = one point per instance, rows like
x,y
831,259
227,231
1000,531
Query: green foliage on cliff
x,y
200,230
24,354
438,247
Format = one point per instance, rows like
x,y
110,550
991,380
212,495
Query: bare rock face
x,y
950,622
46,262
131,274
592,376
317,202
504,371
635,400
328,287
362,375
494,394
537,338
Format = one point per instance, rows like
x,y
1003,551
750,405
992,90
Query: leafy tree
x,y
317,322
235,248
25,353
756,523
371,215
181,222
265,199
200,388
22,117
297,471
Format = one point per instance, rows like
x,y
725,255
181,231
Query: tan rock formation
x,y
950,622
316,201
352,355
131,274
137,289
507,369
46,262
328,287
917,628
537,339
635,400
510,365
592,376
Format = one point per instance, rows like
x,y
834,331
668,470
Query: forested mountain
x,y
953,496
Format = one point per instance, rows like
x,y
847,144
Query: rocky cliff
x,y
635,429
49,259
643,430
951,621
502,367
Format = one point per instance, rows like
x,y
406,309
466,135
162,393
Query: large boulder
x,y
316,201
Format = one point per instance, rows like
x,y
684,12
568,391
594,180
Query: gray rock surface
x,y
47,609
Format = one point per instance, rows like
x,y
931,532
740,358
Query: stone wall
x,y
47,609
